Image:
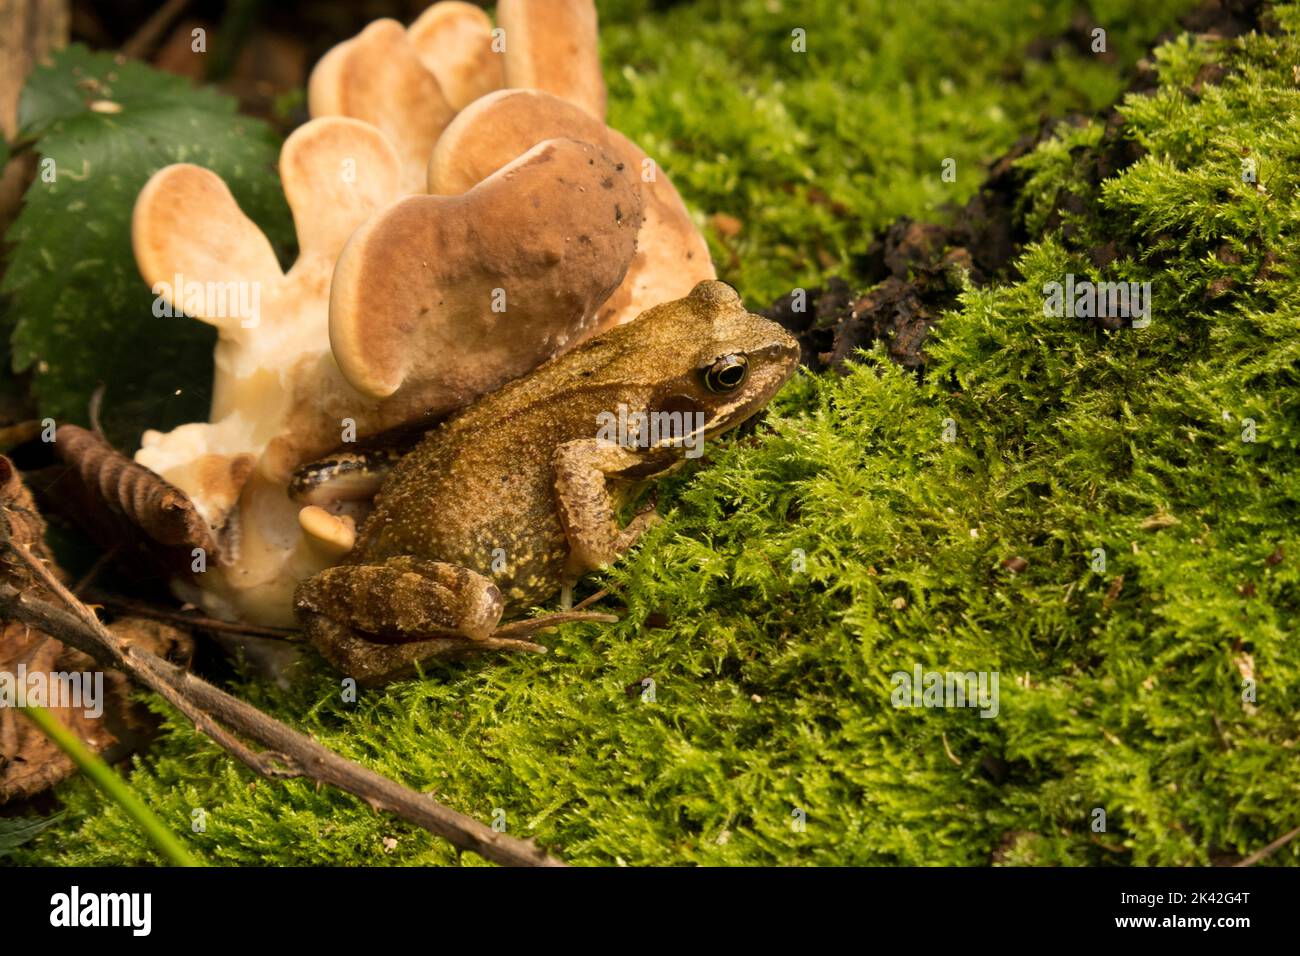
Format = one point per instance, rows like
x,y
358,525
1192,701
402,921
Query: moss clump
x,y
814,151
1120,689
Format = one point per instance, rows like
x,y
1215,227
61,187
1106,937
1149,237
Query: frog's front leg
x,y
583,470
375,622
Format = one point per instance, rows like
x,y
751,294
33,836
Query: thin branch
x,y
143,41
1269,850
96,569
93,410
211,708
591,599
142,609
530,625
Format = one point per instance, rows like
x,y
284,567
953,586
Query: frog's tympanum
x,y
518,495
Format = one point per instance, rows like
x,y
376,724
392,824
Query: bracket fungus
x,y
671,256
466,292
454,42
378,77
553,45
274,380
452,235
545,53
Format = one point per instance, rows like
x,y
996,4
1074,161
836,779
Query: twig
x,y
211,708
142,609
146,38
1269,850
93,410
591,599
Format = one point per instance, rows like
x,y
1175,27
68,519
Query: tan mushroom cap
x,y
333,534
500,127
671,255
454,42
336,172
187,224
378,77
554,45
187,228
470,291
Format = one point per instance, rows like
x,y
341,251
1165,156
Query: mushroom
x,y
553,45
410,83
377,76
465,292
671,255
454,42
551,64
275,383
544,227
497,128
189,236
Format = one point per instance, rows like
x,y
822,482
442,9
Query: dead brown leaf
x,y
104,717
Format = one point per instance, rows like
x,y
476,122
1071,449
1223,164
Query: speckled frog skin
x,y
517,496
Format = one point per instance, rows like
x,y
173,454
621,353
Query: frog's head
x,y
711,358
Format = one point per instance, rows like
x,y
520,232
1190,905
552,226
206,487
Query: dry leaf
x,y
101,712
160,509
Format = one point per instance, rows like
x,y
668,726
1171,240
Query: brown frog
x,y
516,497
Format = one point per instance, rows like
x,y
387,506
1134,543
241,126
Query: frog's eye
x,y
726,374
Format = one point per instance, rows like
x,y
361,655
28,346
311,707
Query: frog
x,y
516,497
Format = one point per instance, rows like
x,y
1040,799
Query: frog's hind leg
x,y
405,598
375,621
371,663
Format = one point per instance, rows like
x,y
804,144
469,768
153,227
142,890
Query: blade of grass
x,y
113,786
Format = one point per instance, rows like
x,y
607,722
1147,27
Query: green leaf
x,y
81,314
15,831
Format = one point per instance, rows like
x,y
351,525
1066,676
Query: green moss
x,y
1120,689
814,151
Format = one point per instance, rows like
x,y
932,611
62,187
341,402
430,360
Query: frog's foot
x,y
372,663
583,469
375,622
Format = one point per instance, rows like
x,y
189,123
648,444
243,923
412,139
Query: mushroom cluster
x,y
463,214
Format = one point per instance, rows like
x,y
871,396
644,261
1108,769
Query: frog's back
x,y
479,492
